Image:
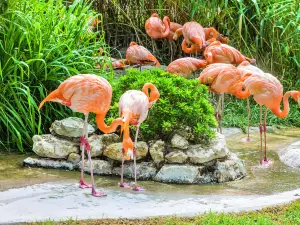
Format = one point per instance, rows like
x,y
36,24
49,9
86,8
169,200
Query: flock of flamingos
x,y
226,70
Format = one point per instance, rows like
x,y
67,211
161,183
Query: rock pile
x,y
176,162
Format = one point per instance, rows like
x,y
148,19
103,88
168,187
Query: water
x,y
277,178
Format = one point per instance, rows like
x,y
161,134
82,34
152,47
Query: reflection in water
x,y
275,179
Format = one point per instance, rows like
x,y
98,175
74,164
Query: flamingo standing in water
x,y
267,91
86,93
193,34
217,52
223,78
186,66
137,54
133,107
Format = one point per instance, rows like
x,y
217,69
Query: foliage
x,y
182,103
41,43
266,30
288,214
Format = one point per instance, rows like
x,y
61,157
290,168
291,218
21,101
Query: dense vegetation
x,y
182,103
288,214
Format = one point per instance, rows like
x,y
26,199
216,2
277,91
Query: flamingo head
x,y
128,148
296,96
155,15
132,43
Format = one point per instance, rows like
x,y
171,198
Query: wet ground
x,y
261,187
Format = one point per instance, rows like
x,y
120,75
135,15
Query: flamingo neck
x,y
286,106
166,22
154,94
103,127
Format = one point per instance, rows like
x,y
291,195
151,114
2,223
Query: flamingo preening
x,y
133,107
86,93
157,28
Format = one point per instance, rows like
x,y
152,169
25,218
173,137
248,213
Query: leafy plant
x,y
41,44
182,103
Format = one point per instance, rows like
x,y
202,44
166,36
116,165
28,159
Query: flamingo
x,y
173,27
223,78
186,66
211,35
217,52
193,34
86,93
267,91
133,107
157,28
137,54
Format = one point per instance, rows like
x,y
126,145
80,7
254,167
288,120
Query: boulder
x,y
231,131
291,155
114,151
49,163
179,142
231,169
52,147
176,157
157,150
99,142
100,167
256,129
182,174
145,170
186,132
70,127
74,158
217,149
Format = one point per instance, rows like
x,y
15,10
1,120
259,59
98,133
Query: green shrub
x,y
182,103
42,42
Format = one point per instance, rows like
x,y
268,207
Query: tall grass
x,y
41,43
266,30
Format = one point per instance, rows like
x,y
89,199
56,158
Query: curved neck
x,y
103,127
166,22
186,49
240,92
178,33
154,94
286,106
210,33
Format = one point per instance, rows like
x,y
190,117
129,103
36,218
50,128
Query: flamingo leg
x,y
218,112
136,188
88,149
171,49
265,136
249,114
82,184
122,184
260,130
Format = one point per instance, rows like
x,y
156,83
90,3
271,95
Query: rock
x,y
100,167
114,151
99,142
216,150
176,157
50,146
157,150
231,169
48,163
70,127
73,158
183,174
145,170
179,142
256,129
291,155
186,132
231,131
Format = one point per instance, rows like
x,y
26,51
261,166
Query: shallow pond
x,y
277,178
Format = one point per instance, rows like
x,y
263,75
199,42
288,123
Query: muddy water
x,y
277,178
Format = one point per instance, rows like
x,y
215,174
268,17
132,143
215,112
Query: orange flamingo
x,y
186,66
211,35
173,27
133,107
86,93
223,78
193,34
267,91
217,52
137,54
157,28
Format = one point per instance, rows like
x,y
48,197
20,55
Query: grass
x,y
288,214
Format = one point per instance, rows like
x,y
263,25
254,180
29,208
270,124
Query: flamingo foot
x,y
266,163
124,185
98,194
247,139
136,188
82,184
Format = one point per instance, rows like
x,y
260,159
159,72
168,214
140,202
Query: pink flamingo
x,y
86,93
133,107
